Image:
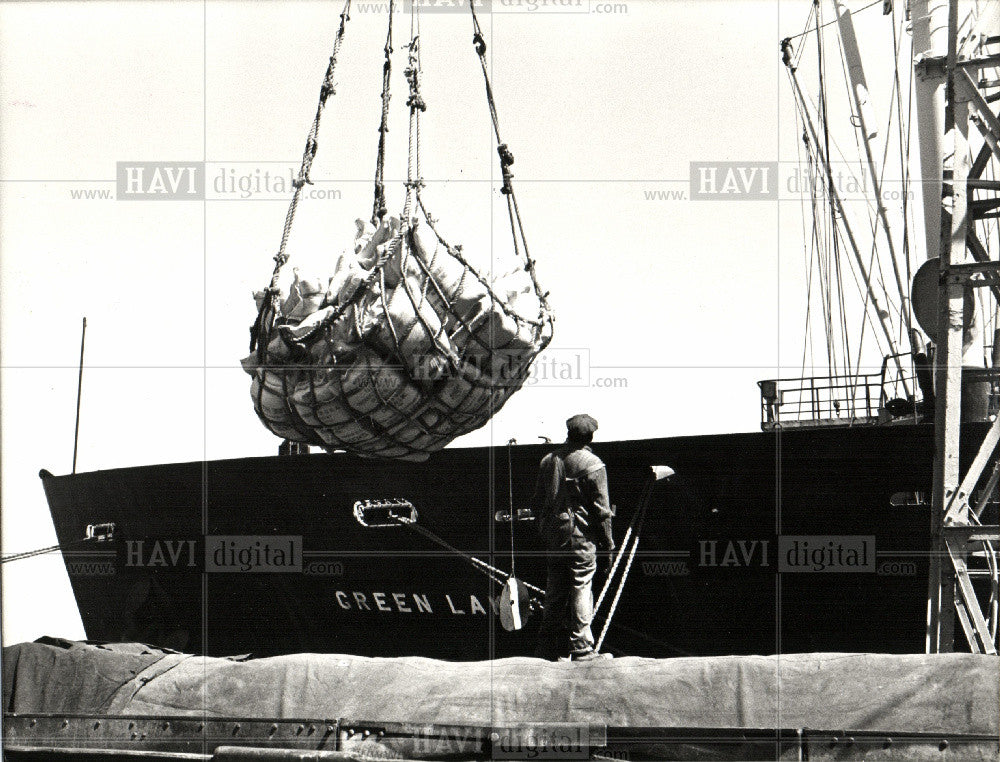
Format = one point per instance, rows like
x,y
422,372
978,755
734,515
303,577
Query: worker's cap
x,y
581,426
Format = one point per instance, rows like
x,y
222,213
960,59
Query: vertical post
x,y
930,33
79,392
948,361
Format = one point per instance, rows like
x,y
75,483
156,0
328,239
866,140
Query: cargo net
x,y
406,346
404,349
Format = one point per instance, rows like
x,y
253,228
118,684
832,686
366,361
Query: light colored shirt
x,y
571,496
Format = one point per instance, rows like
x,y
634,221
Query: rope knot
x,y
786,53
480,43
506,157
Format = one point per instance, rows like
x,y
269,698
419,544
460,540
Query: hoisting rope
x,y
510,499
415,303
378,207
506,160
95,533
269,305
416,103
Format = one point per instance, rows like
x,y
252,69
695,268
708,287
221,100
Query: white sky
x,y
690,302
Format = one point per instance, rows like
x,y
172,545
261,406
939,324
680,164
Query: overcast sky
x,y
676,307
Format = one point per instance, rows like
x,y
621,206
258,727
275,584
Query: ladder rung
x,y
972,532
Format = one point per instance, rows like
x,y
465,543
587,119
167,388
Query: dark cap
x,y
581,426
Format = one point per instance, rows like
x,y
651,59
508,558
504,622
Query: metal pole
x,y
948,362
79,392
930,43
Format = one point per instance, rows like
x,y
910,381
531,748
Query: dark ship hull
x,y
265,555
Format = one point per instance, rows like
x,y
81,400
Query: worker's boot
x,y
590,656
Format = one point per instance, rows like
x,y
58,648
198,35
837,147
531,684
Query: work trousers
x,y
569,600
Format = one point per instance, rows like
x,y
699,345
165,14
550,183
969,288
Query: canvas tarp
x,y
955,693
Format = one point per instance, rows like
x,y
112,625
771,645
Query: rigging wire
x,y
904,140
41,551
819,238
808,251
874,264
833,21
838,204
796,57
901,324
824,120
822,237
269,305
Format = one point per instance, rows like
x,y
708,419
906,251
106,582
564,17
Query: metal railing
x,y
846,399
852,399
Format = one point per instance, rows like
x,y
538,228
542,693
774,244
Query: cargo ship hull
x,y
771,542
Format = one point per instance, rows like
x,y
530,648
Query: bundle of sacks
x,y
403,349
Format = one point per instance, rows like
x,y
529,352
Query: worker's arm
x,y
538,499
600,507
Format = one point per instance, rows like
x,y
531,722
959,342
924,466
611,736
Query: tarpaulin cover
x,y
64,676
957,693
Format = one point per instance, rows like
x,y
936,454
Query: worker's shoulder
x,y
583,460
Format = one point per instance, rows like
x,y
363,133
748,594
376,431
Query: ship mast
x,y
930,46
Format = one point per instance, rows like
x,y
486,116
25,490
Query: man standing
x,y
571,499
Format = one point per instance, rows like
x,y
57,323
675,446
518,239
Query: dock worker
x,y
571,501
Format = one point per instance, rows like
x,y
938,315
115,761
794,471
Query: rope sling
x,y
408,345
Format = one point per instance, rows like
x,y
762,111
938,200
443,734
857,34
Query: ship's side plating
x,y
724,566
